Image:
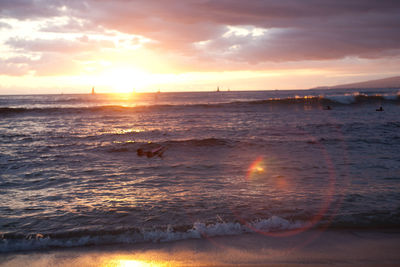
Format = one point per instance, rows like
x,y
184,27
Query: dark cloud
x,y
28,9
300,30
297,30
37,9
295,44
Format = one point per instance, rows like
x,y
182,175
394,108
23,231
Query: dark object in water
x,y
379,109
140,152
152,152
328,108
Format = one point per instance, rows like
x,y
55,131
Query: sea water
x,y
271,162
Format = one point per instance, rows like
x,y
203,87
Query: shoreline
x,y
312,248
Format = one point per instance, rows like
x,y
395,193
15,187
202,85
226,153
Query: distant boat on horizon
x,y
217,88
93,92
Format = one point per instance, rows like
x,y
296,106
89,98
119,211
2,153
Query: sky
x,y
69,46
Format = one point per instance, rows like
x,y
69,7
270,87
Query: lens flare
x,y
257,170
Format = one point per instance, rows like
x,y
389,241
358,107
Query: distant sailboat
x,y
93,92
217,88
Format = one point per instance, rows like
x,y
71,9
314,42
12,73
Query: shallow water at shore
x,y
312,248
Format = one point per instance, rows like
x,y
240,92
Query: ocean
x,y
276,163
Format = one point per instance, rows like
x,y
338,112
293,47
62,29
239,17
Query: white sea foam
x,y
343,99
199,230
391,97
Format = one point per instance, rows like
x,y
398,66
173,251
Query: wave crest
x,y
12,243
345,99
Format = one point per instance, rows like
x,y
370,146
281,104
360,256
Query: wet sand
x,y
312,248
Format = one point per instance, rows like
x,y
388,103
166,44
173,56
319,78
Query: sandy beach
x,y
312,248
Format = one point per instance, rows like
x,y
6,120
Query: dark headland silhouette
x,y
392,82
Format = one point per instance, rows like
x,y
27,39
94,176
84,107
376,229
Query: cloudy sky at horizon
x,y
53,46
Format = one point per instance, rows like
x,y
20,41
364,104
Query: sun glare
x,y
126,80
133,263
126,262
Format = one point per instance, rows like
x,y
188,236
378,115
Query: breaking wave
x,y
346,99
18,242
13,242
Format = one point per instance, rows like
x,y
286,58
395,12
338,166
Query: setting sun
x,y
125,80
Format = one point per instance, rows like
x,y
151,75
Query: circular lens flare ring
x,y
258,169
